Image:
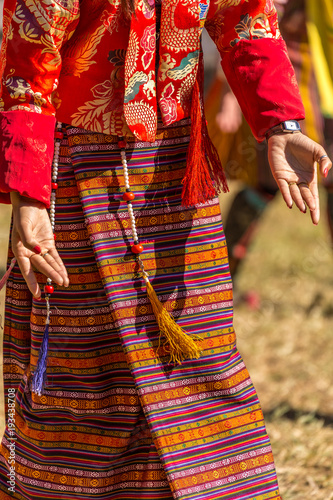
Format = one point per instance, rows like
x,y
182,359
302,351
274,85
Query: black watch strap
x,y
287,127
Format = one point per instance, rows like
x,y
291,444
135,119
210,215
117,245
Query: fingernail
x,y
37,249
290,206
325,172
38,298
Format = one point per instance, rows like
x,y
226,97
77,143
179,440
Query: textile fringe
x,y
204,176
181,345
5,277
39,377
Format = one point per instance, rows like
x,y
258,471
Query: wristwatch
x,y
287,127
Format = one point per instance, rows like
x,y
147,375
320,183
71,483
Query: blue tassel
x,y
39,377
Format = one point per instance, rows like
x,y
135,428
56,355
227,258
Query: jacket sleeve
x,y
255,61
30,63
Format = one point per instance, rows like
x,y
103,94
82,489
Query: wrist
x,y
18,200
286,127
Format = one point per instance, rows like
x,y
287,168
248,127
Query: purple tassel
x,y
5,277
39,377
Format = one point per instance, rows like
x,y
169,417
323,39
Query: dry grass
x,y
288,344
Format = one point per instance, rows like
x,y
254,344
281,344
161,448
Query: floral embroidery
x,y
252,28
19,89
120,82
80,56
147,8
148,43
223,4
168,105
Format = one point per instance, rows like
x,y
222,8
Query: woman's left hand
x,y
293,160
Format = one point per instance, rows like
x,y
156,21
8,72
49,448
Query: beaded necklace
x,y
39,377
178,343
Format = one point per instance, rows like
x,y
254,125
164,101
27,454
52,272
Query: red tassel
x,y
204,176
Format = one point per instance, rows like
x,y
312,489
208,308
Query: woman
x,y
118,416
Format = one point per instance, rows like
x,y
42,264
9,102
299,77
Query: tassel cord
x,y
5,277
39,377
180,345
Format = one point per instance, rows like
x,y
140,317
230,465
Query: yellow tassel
x,y
180,344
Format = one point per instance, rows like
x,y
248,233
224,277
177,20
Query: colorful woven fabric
x,y
117,420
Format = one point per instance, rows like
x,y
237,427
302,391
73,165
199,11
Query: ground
x,y
287,343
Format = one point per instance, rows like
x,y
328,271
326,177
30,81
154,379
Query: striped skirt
x,y
117,420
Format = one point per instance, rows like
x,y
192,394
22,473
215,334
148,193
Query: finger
x,y
47,265
285,191
315,214
53,258
307,195
297,197
29,276
325,163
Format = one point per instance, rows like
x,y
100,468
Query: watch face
x,y
291,125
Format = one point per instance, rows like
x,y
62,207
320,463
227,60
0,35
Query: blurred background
x,y
281,263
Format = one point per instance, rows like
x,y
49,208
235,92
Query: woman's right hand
x,y
33,243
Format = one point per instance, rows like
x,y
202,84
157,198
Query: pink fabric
x,y
264,83
27,143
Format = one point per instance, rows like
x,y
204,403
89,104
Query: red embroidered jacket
x,y
82,62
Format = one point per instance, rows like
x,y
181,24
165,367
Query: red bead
x,y
54,185
59,135
122,144
137,248
48,289
129,196
54,236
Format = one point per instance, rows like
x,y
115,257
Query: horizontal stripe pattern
x,y
118,420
